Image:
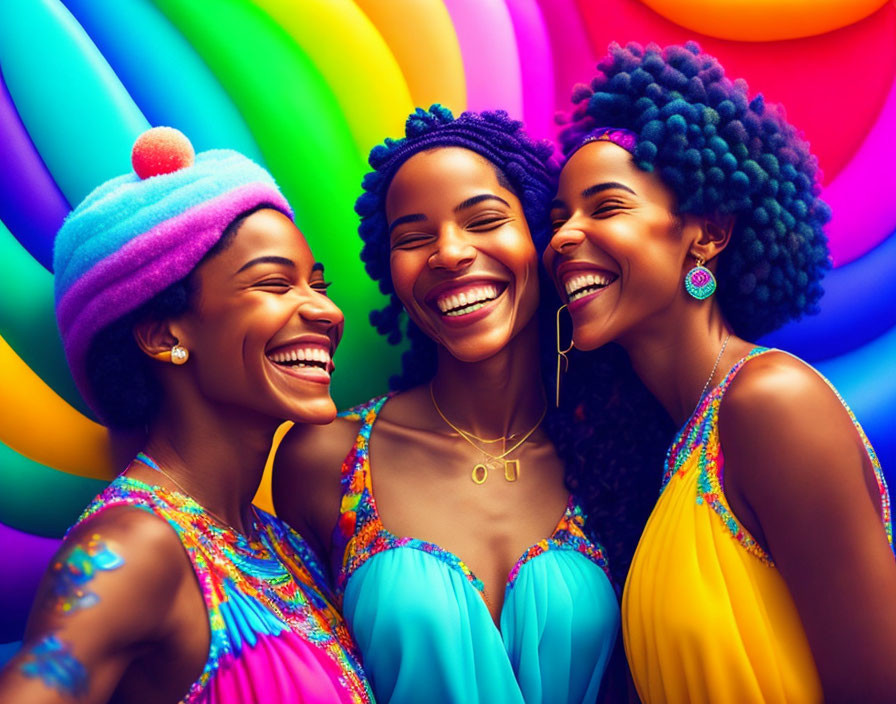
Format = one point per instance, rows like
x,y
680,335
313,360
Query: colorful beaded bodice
x,y
700,436
271,619
360,533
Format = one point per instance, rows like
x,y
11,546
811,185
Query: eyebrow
x,y
267,260
598,187
416,217
470,202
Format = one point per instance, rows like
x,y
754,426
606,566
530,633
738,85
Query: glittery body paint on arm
x,y
51,661
74,573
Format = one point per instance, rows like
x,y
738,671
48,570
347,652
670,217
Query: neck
x,y
216,455
675,356
494,397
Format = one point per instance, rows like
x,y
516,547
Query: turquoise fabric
x,y
425,633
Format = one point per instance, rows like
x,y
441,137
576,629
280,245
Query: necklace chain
x,y
152,464
480,470
714,367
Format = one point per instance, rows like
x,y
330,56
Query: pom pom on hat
x,y
161,150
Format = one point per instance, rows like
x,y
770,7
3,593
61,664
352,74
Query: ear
x,y
714,235
155,338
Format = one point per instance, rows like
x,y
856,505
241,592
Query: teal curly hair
x,y
721,152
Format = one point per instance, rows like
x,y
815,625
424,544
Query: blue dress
x,y
420,620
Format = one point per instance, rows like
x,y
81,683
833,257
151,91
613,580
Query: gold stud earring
x,y
178,355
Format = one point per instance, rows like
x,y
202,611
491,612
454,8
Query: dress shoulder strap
x,y
355,510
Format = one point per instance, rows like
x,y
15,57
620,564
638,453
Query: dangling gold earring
x,y
561,357
178,355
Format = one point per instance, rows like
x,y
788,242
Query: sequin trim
x,y
700,435
272,574
361,535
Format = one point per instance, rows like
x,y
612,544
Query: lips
x,y
308,359
458,300
578,284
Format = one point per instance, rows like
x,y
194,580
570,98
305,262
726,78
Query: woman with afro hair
x,y
468,577
687,222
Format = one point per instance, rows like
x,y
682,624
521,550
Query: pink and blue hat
x,y
135,235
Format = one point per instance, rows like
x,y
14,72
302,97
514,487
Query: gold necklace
x,y
480,470
152,464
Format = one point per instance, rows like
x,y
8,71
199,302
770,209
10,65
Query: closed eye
x,y
485,224
280,284
608,208
411,241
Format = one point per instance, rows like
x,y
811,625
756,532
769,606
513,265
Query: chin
x,y
481,347
585,338
318,413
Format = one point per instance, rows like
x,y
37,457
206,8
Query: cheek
x,y
404,269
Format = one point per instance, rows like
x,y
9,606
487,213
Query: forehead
x,y
265,232
445,174
605,162
596,162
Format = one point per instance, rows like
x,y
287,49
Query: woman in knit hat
x,y
496,594
687,223
189,305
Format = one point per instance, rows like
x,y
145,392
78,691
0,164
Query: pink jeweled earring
x,y
699,281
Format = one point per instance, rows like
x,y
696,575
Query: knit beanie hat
x,y
135,235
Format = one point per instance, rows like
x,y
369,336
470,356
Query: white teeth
x,y
583,284
302,354
467,301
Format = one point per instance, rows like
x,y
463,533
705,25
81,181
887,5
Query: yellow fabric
x,y
706,617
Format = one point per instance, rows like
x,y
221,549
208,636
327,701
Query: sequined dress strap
x,y
355,511
700,436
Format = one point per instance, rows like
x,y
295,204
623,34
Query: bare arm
x,y
795,464
104,600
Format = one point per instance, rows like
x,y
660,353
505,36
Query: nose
x,y
566,238
321,312
453,252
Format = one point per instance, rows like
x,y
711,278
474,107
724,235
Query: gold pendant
x,y
511,470
479,474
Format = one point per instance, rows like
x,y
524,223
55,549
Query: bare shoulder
x,y
789,443
104,601
778,395
131,555
306,477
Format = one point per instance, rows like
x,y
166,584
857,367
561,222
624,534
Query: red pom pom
x,y
161,150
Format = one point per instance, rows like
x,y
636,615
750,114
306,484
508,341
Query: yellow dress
x,y
706,617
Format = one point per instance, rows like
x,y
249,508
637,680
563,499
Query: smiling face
x,y
262,331
619,252
462,259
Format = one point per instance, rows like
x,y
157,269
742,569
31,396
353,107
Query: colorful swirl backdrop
x,y
307,88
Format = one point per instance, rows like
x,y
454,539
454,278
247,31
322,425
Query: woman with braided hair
x,y
469,577
687,221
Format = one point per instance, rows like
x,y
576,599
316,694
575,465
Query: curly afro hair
x,y
523,166
720,152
